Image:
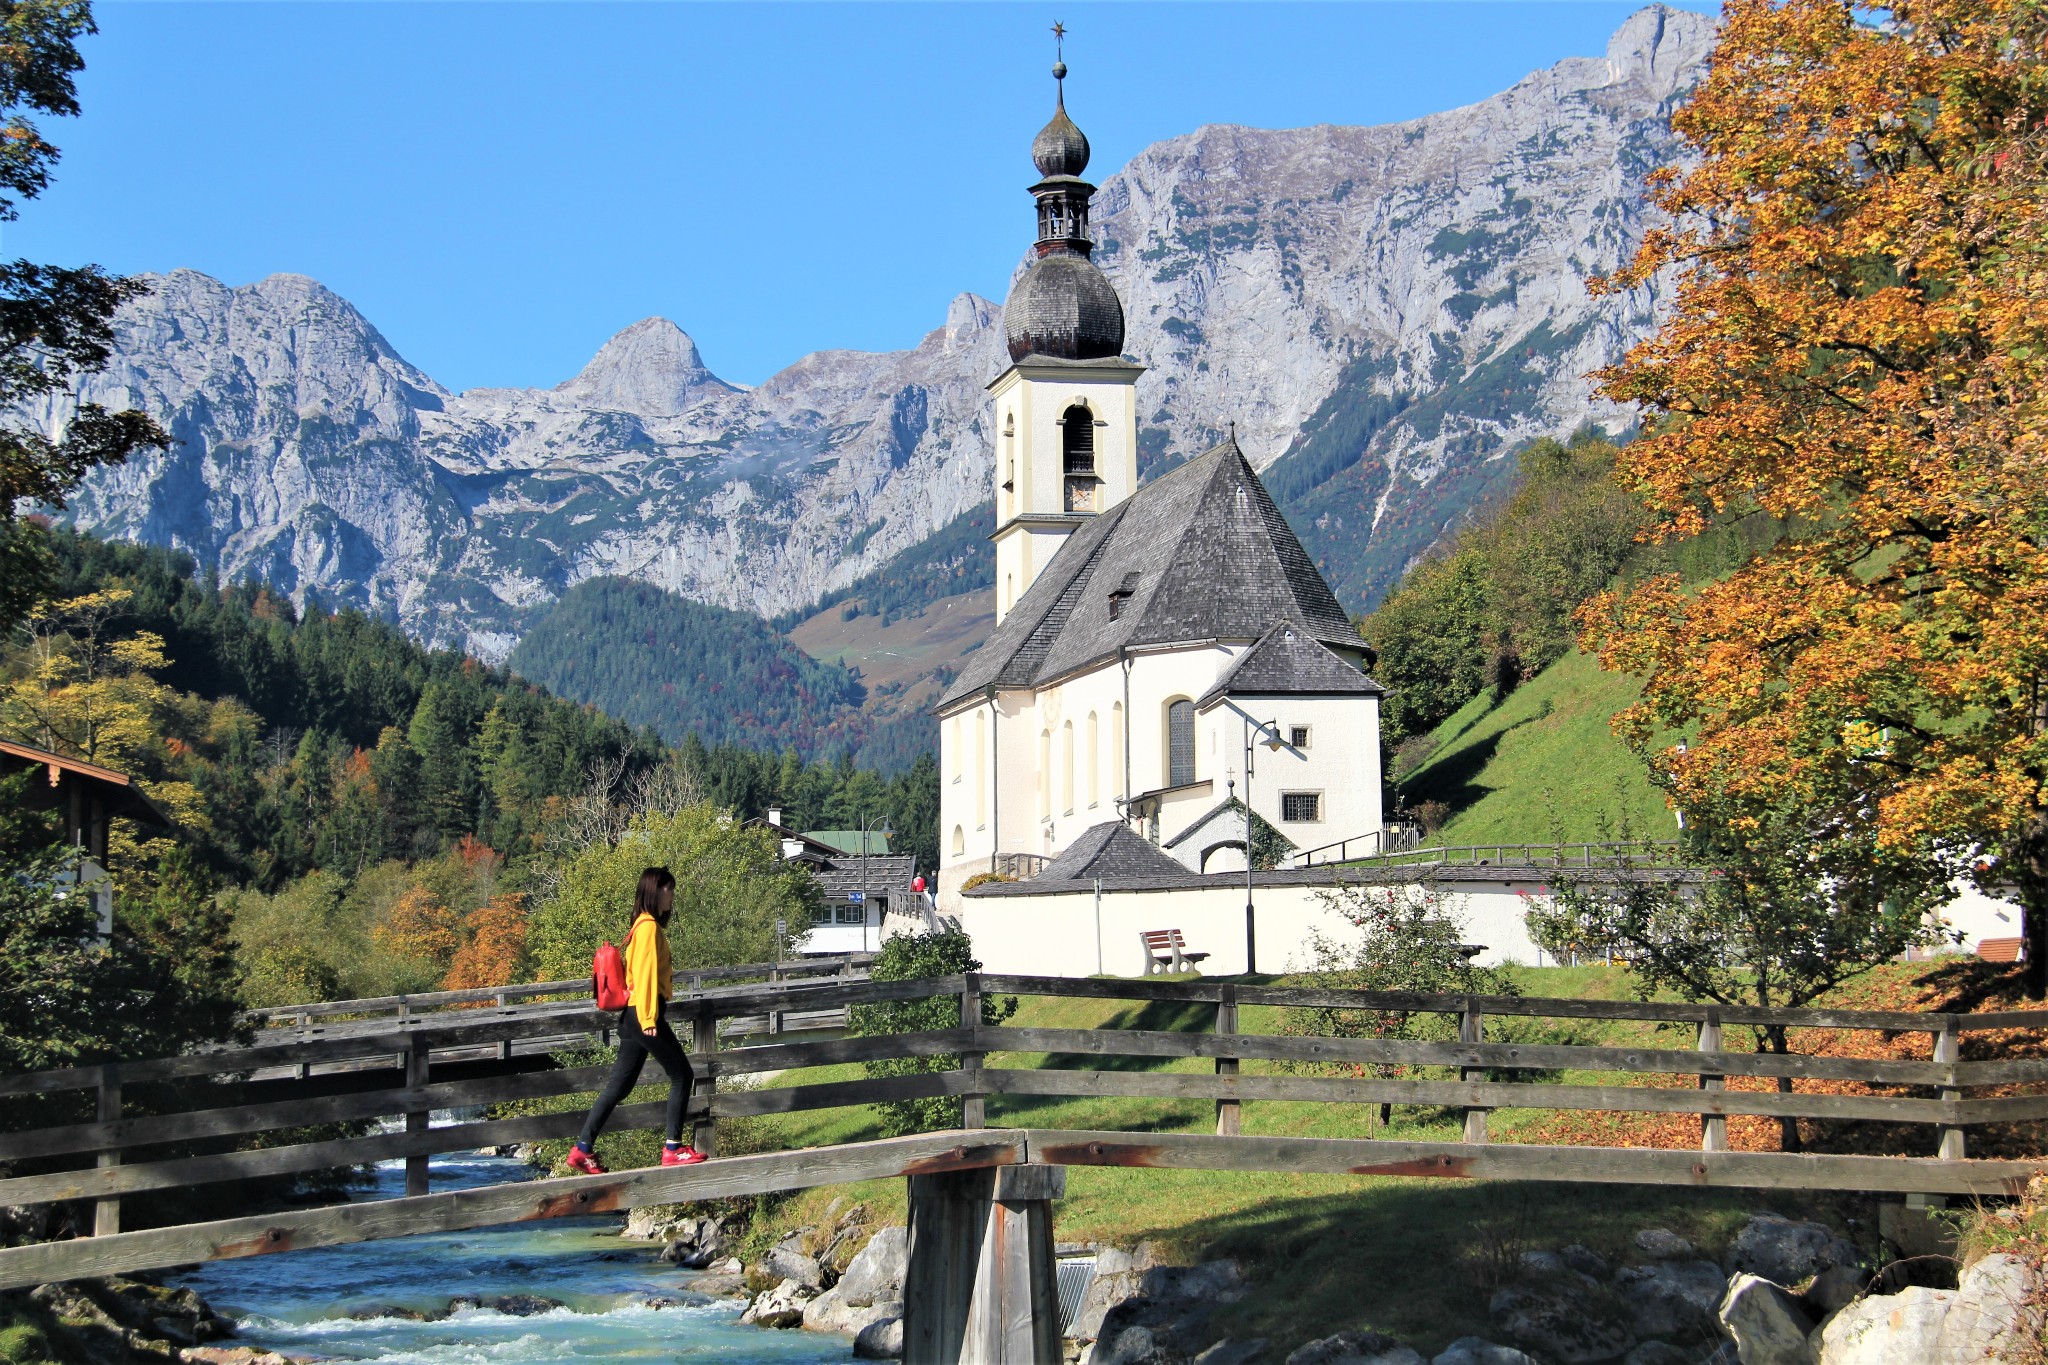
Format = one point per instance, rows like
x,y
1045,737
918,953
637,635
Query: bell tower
x,y
1066,414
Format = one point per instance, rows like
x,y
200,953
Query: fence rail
x,y
182,1121
1644,853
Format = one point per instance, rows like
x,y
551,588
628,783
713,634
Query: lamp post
x,y
885,832
1269,735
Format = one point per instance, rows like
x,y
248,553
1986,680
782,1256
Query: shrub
x,y
911,957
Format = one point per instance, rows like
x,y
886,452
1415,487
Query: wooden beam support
x,y
1229,1113
1948,1049
1713,1126
982,1286
106,1213
704,1080
1472,1032
973,1107
298,1229
417,1120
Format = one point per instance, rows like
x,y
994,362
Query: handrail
x,y
1621,852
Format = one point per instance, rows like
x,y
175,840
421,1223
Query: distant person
x,y
643,1030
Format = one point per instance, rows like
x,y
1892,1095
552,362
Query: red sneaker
x,y
584,1163
685,1155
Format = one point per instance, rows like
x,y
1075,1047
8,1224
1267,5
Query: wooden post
x,y
1472,1029
982,1285
416,1120
1948,1048
504,1044
973,1108
704,1042
774,1015
106,1213
302,1070
1228,1115
1713,1127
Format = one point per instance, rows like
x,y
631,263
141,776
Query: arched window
x,y
1067,768
1094,761
956,764
959,841
1180,743
1077,440
1044,774
1116,746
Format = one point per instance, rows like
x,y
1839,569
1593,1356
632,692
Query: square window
x,y
822,915
1297,737
853,914
1301,806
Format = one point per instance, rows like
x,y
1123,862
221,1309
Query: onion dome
x,y
1064,307
1060,148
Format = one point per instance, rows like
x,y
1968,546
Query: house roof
x,y
117,791
1200,553
850,840
1286,662
888,874
1112,852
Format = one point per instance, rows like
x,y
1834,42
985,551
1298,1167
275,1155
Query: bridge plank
x,y
1308,1048
1511,1161
490,1205
1641,1099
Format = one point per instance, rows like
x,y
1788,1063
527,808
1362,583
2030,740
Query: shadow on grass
x,y
1454,780
1155,1016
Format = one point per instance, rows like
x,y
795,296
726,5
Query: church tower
x,y
1066,416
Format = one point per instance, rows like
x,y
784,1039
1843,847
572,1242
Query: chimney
x,y
775,815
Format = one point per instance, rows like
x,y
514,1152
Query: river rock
x,y
1671,1298
830,1312
1788,1252
880,1340
1989,1311
1661,1353
1767,1324
1541,1264
1662,1244
1583,1261
1887,1329
1172,1305
1835,1289
1232,1352
512,1305
1356,1348
722,1286
390,1311
875,1274
786,1263
782,1306
231,1355
654,1223
1560,1324
1480,1351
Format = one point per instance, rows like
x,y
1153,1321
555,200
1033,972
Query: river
x,y
330,1302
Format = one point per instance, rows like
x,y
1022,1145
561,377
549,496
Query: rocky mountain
x,y
1384,312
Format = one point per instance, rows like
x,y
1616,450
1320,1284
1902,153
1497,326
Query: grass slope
x,y
1542,761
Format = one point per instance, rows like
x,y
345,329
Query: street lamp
x,y
886,833
1269,735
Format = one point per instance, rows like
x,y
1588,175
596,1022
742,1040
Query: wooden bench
x,y
1166,951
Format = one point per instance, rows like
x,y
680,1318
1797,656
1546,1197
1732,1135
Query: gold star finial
x,y
1059,40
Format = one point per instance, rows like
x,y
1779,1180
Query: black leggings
x,y
634,1047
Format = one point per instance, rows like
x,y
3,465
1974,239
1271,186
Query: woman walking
x,y
643,1030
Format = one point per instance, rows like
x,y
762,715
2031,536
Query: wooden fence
x,y
203,1109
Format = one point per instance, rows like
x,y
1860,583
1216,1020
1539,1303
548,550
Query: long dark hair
x,y
656,895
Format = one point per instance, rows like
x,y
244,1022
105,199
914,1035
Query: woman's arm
x,y
643,975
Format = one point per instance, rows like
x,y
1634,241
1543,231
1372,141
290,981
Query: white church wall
x,y
1339,765
1975,917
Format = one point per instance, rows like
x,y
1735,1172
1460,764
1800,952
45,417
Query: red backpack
x,y
608,977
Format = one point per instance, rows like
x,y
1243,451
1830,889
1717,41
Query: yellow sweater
x,y
648,977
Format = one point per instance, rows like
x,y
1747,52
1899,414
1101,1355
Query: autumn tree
x,y
56,322
1856,347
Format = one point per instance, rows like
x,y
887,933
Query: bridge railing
x,y
191,1120
1638,853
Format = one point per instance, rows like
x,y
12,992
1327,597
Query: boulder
x,y
1661,1353
1561,1325
831,1312
1583,1261
786,1263
1356,1348
875,1275
1172,1304
1540,1264
1480,1351
1672,1298
1886,1329
782,1306
1662,1244
1835,1289
1768,1325
1788,1252
720,1286
1230,1352
1134,1345
1990,1312
880,1340
231,1355
512,1305
657,1223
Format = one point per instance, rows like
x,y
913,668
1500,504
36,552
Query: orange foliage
x,y
496,946
1858,346
421,927
475,853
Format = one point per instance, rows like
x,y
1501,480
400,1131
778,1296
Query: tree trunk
x,y
1788,1126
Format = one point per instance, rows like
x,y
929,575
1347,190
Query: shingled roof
x,y
1112,852
1287,663
1200,553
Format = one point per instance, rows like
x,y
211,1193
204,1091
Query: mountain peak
x,y
1662,48
651,368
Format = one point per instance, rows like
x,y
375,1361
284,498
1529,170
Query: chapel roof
x,y
1286,662
888,874
1113,852
1199,554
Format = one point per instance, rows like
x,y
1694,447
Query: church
x,y
1161,654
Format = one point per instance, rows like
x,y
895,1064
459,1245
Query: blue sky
x,y
501,187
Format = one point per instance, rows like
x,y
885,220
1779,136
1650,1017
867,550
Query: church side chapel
x,y
1161,654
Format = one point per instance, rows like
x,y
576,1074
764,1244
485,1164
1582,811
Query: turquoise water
x,y
330,1302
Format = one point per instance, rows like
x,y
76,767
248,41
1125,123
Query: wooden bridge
x,y
981,1280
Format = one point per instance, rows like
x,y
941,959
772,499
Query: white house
x,y
1159,651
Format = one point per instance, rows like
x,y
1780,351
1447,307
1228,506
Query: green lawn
x,y
1542,762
